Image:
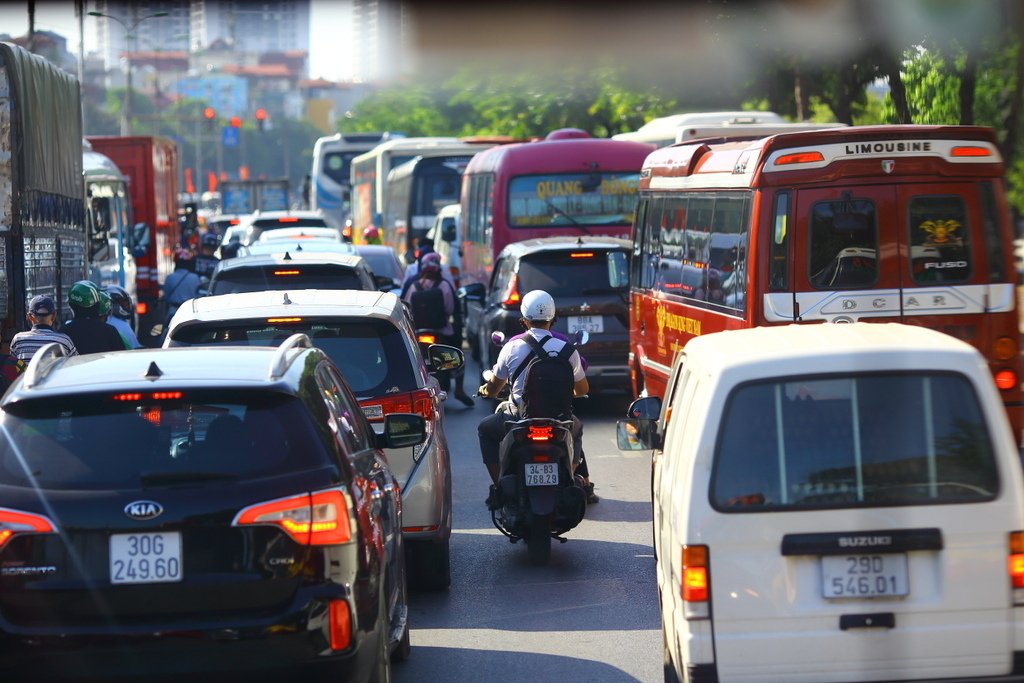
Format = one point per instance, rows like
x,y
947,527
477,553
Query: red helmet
x,y
371,233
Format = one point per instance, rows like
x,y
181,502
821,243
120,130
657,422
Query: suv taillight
x,y
695,586
420,402
321,518
510,297
14,522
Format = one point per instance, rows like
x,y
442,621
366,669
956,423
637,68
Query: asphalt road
x,y
590,615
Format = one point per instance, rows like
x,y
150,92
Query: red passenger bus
x,y
567,184
886,224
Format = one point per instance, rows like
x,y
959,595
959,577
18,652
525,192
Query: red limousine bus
x,y
885,224
567,184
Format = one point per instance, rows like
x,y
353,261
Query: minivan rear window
x,y
370,353
853,441
575,273
147,439
289,276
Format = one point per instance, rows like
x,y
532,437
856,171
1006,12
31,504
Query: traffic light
x,y
210,114
236,122
261,118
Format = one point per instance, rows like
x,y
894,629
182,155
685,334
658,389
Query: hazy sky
x,y
330,27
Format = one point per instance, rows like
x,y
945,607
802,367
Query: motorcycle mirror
x,y
498,338
580,337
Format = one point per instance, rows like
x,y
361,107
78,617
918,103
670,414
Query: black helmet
x,y
120,302
210,240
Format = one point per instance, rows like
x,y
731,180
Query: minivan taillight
x,y
13,522
1015,566
695,585
321,518
420,402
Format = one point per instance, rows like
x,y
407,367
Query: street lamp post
x,y
129,35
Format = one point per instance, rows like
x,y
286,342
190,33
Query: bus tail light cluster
x,y
13,522
695,584
1015,566
420,402
321,518
1004,348
1005,379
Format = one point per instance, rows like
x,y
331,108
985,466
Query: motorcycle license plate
x,y
590,323
541,474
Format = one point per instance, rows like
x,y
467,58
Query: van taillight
x,y
1015,566
1005,348
695,582
970,151
13,522
510,297
340,624
419,402
321,518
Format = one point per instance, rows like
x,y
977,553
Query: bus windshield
x,y
338,166
567,199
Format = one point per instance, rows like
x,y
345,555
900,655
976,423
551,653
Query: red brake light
x,y
14,522
286,272
1006,379
142,308
799,158
320,518
534,433
1014,563
970,152
340,624
127,397
234,221
511,297
419,402
581,254
288,219
155,396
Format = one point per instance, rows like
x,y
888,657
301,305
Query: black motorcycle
x,y
540,497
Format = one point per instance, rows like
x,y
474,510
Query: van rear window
x,y
853,441
939,239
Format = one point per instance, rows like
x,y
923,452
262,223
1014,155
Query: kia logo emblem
x,y
143,510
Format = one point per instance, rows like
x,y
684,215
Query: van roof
x,y
780,351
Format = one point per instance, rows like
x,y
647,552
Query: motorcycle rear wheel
x,y
538,539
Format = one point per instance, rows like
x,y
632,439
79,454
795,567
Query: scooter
x,y
539,494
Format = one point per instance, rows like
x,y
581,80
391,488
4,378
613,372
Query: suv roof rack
x,y
36,373
280,362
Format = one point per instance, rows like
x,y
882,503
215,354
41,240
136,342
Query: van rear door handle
x,y
877,620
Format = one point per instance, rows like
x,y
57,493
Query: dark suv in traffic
x,y
198,511
589,280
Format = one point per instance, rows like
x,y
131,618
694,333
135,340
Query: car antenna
x,y
153,372
286,299
579,240
287,257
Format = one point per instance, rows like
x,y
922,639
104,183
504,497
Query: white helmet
x,y
538,306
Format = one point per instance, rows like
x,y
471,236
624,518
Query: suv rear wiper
x,y
171,478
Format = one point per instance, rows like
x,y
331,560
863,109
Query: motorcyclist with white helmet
x,y
538,314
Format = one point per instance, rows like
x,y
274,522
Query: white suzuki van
x,y
835,503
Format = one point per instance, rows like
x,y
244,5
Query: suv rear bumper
x,y
426,496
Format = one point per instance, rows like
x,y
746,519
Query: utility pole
x,y
80,13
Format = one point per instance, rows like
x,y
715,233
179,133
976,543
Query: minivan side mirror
x,y
383,283
443,357
402,430
632,434
645,408
448,230
475,291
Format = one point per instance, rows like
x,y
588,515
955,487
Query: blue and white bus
x,y
331,183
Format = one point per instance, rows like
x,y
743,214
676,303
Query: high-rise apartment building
x,y
163,33
381,39
251,27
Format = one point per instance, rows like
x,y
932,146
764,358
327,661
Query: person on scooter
x,y
538,314
430,278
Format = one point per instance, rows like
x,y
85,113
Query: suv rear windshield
x,y
853,441
575,273
371,354
278,277
289,222
132,440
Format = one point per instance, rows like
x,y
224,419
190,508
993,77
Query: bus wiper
x,y
171,478
563,214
